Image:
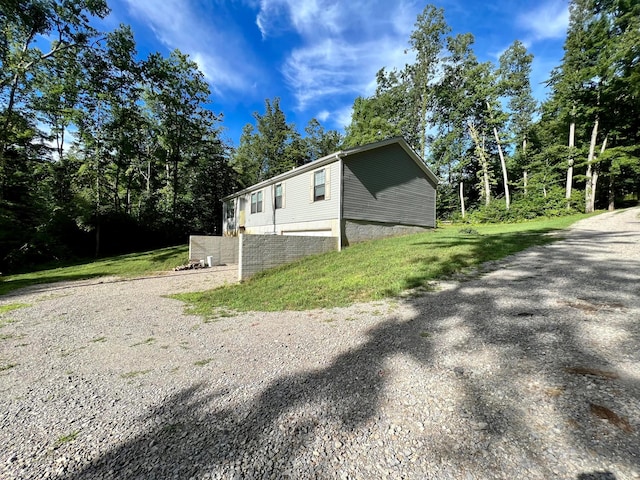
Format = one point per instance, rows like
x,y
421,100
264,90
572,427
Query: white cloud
x,y
336,67
303,16
220,55
547,21
323,115
342,44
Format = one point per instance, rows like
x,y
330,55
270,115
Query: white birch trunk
x,y
505,178
588,189
595,175
525,182
503,164
572,138
484,163
611,194
462,198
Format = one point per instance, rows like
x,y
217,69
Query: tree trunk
x,y
485,175
423,123
572,137
116,194
594,176
588,188
462,198
594,182
611,193
503,164
174,200
525,182
484,162
505,178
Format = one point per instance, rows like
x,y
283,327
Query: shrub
x,y
528,207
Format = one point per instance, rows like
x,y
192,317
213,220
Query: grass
x,y
131,265
202,363
10,307
148,341
374,270
7,366
135,373
66,438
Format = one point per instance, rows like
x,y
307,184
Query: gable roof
x,y
334,157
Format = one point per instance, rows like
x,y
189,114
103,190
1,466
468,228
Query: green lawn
x,y
132,265
374,270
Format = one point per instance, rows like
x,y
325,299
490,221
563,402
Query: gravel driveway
x,y
530,371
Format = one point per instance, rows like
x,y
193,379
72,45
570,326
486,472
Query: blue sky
x,y
319,55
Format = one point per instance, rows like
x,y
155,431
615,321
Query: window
x,y
278,196
318,185
231,210
256,202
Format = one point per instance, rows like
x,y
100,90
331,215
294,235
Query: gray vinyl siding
x,y
385,185
298,203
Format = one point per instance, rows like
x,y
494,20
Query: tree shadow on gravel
x,y
527,380
262,438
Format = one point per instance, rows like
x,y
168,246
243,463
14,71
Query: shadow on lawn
x,y
198,431
9,286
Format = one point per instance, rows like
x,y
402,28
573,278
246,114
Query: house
x,y
361,193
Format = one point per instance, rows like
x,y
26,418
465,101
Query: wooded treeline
x,y
103,152
100,152
499,152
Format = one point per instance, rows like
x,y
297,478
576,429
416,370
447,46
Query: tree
x,y
370,120
596,83
321,142
175,97
426,41
272,147
514,73
403,101
452,151
66,22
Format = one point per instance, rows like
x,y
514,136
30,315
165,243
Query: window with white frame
x,y
256,202
231,208
278,196
319,185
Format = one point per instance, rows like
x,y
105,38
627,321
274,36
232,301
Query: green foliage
x,y
321,142
10,307
472,109
272,147
146,156
529,207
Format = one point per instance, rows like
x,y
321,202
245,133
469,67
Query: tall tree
x,y
321,142
272,147
175,97
66,23
426,42
595,80
514,83
372,118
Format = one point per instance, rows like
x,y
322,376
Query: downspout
x,y
340,199
273,206
236,217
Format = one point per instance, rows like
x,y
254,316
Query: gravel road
x,y
530,370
